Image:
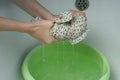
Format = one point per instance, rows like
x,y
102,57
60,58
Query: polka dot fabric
x,y
68,26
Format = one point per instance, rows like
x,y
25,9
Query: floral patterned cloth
x,y
68,26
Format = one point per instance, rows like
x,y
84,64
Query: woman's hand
x,y
41,31
79,12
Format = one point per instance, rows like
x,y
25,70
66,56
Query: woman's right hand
x,y
41,31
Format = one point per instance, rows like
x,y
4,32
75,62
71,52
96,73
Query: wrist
x,y
28,27
32,27
51,18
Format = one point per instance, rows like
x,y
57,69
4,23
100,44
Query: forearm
x,y
14,25
34,9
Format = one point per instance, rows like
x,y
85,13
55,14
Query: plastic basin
x,y
63,61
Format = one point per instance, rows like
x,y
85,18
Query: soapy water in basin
x,y
63,61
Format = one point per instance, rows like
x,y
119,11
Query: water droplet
x,y
43,60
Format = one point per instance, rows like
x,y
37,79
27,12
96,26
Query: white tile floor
x,y
103,22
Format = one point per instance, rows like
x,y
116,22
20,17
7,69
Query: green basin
x,y
63,61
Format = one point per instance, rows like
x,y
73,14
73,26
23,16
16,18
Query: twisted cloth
x,y
68,26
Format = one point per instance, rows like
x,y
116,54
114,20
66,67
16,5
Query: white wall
x,y
103,22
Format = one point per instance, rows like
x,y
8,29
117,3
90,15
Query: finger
x,y
83,14
74,11
79,12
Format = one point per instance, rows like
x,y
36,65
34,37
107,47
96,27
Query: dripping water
x,y
73,52
43,53
63,44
